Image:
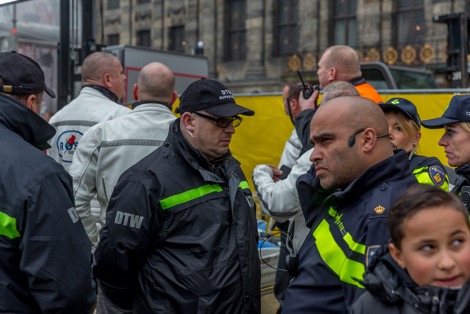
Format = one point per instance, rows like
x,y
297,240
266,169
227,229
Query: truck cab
x,y
383,76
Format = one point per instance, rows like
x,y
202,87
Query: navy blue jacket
x,y
348,227
45,260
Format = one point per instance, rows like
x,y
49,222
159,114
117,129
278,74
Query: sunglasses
x,y
222,122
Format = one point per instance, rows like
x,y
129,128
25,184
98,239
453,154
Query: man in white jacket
x,y
110,147
103,86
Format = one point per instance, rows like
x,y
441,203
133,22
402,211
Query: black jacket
x,y
45,260
390,290
181,235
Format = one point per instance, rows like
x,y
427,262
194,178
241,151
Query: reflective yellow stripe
x,y
422,175
353,245
190,195
244,185
8,226
348,270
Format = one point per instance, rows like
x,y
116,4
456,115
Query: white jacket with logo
x,y
89,108
106,150
281,199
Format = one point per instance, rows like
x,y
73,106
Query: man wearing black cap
x,y
181,232
45,260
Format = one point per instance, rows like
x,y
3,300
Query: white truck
x,y
187,68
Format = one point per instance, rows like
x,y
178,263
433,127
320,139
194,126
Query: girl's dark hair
x,y
415,199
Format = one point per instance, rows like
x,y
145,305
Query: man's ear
x,y
368,138
107,80
174,96
333,74
135,92
31,103
396,255
188,121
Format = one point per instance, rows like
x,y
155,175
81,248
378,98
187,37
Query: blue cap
x,y
457,111
404,106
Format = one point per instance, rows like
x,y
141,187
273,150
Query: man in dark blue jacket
x,y
345,203
45,260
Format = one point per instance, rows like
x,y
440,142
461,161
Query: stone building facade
x,y
256,45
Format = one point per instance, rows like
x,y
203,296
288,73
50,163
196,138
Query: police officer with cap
x,y
456,141
404,129
45,261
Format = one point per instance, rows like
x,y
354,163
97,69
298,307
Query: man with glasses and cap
x,y
45,265
181,232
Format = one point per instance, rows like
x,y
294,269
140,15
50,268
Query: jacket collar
x,y
24,122
464,171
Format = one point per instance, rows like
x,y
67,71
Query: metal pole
x,y
64,55
463,49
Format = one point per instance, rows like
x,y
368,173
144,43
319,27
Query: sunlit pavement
x,y
269,304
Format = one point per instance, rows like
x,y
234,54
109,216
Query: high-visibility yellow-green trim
x,y
189,195
8,226
423,177
244,185
348,271
353,245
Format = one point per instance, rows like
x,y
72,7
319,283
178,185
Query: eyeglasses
x,y
352,138
222,122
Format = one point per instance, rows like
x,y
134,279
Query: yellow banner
x,y
260,139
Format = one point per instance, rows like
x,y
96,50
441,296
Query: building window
x,y
409,22
235,30
113,4
143,38
286,34
344,21
143,1
113,39
177,40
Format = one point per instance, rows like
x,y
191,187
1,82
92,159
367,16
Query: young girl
x,y
427,264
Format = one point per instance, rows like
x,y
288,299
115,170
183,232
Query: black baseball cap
x,y
21,75
211,96
458,110
404,106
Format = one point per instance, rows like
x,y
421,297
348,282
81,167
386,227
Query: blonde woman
x,y
404,132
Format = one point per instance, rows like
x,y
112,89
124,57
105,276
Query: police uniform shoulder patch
x,y
437,175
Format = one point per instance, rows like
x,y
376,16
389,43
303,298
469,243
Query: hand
x,y
310,103
276,173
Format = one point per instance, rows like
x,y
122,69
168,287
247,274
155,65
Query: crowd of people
x,y
108,209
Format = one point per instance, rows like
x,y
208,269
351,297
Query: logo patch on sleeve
x,y
371,250
437,175
67,144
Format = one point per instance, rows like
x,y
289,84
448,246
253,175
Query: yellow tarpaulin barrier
x,y
260,139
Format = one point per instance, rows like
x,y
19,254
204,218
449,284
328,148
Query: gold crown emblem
x,y
379,209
